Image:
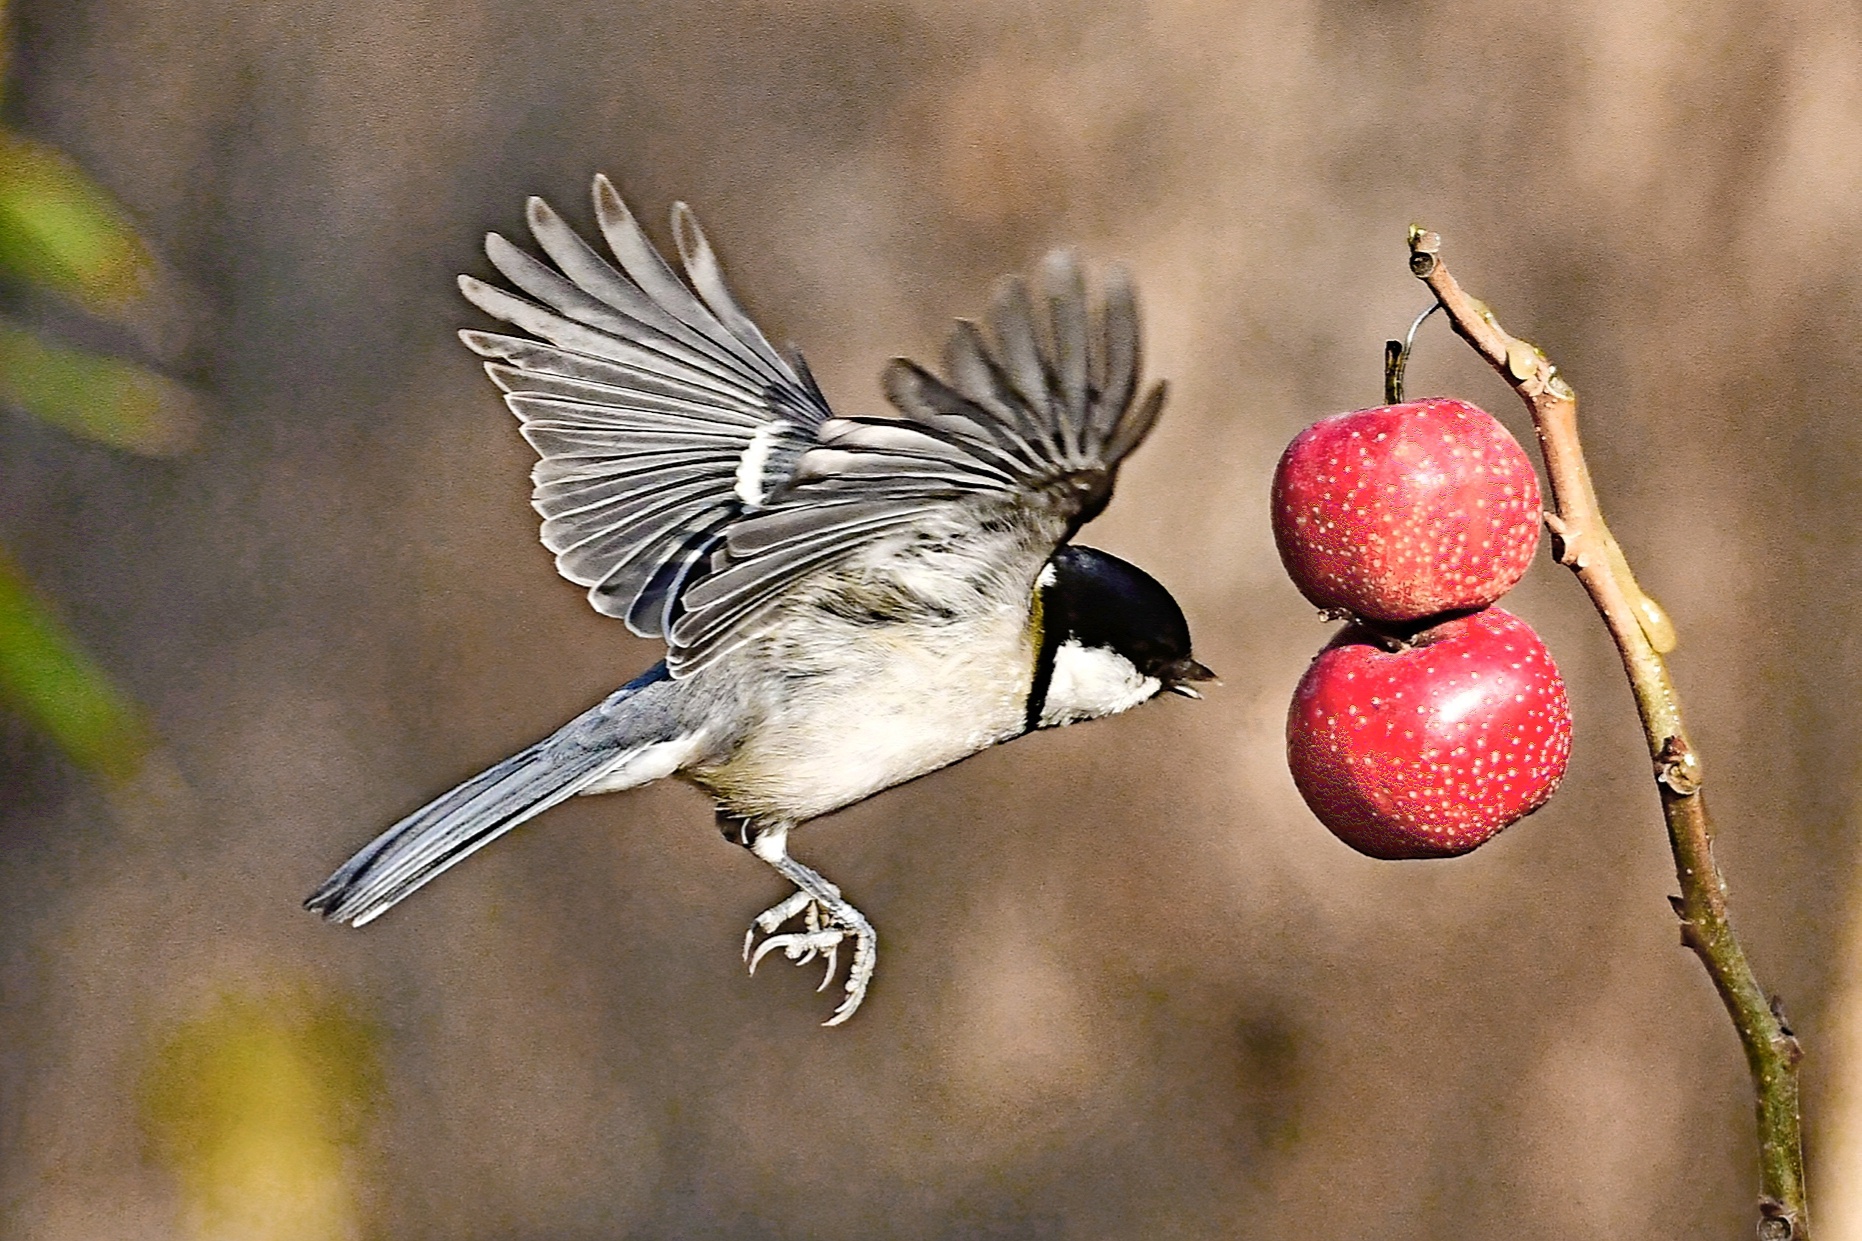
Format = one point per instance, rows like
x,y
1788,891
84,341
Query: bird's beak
x,y
1177,677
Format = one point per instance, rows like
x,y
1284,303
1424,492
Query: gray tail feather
x,y
464,820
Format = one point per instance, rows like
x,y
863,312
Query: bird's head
x,y
1111,638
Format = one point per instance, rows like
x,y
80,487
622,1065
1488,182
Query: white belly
x,y
903,709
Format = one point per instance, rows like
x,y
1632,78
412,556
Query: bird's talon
x,y
768,946
846,1009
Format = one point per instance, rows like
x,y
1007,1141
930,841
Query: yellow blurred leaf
x,y
46,677
99,397
60,229
255,1107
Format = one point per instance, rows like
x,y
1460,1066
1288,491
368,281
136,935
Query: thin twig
x,y
1643,634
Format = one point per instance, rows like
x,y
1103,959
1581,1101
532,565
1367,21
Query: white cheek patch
x,y
1090,682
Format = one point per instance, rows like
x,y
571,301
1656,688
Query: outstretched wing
x,y
1010,453
690,475
660,412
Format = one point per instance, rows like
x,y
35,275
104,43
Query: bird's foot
x,y
824,920
825,923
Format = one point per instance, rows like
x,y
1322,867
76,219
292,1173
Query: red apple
x,y
1429,749
1406,511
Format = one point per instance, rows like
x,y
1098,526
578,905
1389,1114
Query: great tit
x,y
847,602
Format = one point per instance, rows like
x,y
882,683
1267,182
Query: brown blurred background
x,y
1129,988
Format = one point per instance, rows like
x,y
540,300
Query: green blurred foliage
x,y
64,232
256,1106
61,231
46,677
95,396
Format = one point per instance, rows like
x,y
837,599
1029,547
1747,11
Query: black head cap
x,y
1106,602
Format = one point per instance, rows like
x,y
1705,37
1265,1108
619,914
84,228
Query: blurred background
x,y
270,580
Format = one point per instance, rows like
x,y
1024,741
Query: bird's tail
x,y
596,746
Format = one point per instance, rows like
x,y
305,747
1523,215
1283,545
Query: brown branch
x,y
1643,634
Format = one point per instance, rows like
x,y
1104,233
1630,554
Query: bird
x,y
847,602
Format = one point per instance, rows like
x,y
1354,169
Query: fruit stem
x,y
1396,357
1643,634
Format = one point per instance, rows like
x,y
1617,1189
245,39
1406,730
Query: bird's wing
x,y
660,412
690,474
1014,449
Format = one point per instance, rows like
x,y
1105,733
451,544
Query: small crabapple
x,y
1406,511
1430,748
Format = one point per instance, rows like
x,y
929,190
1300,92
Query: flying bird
x,y
847,602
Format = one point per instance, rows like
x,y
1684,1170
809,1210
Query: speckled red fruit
x,y
1406,511
1430,750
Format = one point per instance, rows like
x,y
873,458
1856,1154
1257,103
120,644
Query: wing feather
x,y
1011,318
659,411
625,514
650,347
578,261
647,269
1066,304
927,401
597,496
657,603
720,609
1118,355
529,357
701,265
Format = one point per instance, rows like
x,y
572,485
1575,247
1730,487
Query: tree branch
x,y
1643,634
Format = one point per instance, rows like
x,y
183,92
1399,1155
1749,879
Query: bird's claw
x,y
824,928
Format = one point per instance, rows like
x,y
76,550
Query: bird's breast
x,y
861,708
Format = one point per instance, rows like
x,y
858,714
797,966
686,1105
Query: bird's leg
x,y
827,920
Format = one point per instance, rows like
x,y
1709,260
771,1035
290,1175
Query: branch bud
x,y
1677,768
